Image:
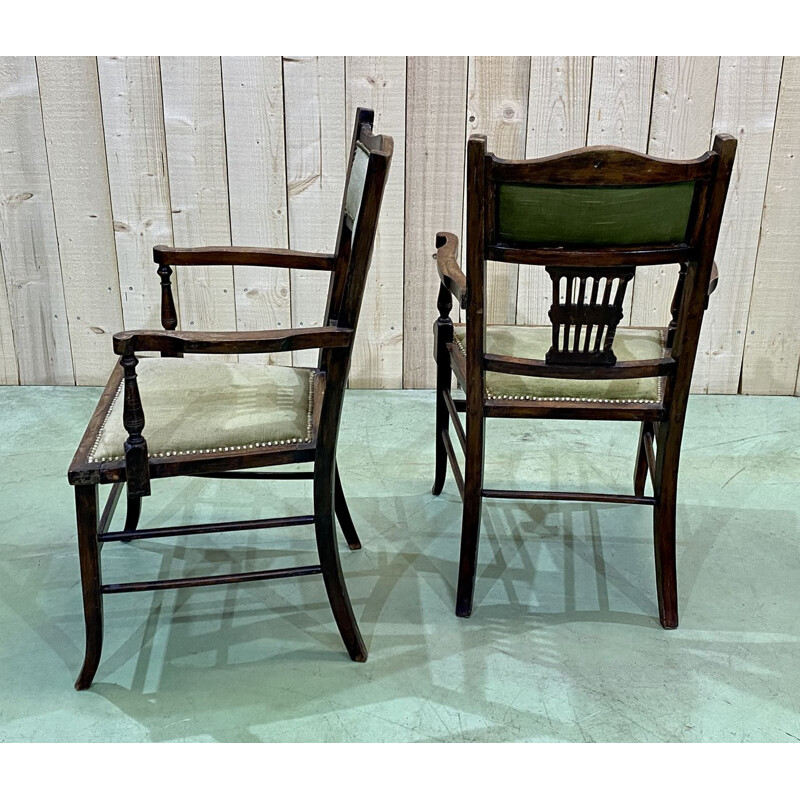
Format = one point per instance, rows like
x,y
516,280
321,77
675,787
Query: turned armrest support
x,y
126,343
242,256
453,279
137,465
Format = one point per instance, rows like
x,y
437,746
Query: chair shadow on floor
x,y
181,669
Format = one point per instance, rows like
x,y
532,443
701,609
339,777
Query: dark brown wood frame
x,y
348,266
661,423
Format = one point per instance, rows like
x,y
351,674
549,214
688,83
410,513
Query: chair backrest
x,y
590,217
368,167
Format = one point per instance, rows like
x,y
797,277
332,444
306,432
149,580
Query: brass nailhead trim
x,y
490,396
230,448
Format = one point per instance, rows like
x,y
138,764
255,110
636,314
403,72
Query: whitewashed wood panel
x,y
195,134
254,133
497,106
226,127
136,151
558,118
619,113
9,374
316,162
435,149
747,95
619,108
680,127
76,155
772,343
28,233
379,83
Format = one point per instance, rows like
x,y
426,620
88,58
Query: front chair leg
x,y
325,529
132,515
89,553
343,515
442,422
664,542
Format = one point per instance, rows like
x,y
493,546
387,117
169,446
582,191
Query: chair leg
x,y
132,515
343,515
86,498
443,380
471,519
664,541
327,547
640,471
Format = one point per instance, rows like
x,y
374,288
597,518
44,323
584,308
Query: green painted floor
x,y
564,644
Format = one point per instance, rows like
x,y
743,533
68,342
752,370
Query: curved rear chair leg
x,y
132,514
343,515
640,472
664,541
89,552
471,519
329,561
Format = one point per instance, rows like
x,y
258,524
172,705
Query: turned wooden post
x,y
444,304
136,463
169,314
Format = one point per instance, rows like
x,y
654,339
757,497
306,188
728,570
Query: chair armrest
x,y
713,280
244,256
126,343
453,279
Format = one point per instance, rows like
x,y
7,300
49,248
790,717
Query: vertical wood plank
x,y
747,95
27,231
136,150
558,112
316,162
76,155
619,112
435,147
497,106
680,127
198,183
379,83
622,91
9,373
772,343
254,132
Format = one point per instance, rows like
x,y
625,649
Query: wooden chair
x,y
211,418
591,217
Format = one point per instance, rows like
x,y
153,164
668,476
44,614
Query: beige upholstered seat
x,y
198,406
521,341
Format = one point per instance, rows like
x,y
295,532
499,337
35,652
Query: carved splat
x,y
586,309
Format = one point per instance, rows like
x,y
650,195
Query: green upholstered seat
x,y
522,341
199,406
594,216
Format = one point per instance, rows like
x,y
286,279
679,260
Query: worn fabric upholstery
x,y
198,406
594,216
520,341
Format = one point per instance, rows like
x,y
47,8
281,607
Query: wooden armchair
x,y
160,417
591,217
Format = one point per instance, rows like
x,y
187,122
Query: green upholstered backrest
x,y
594,215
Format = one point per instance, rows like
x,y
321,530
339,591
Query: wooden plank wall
x,y
100,159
